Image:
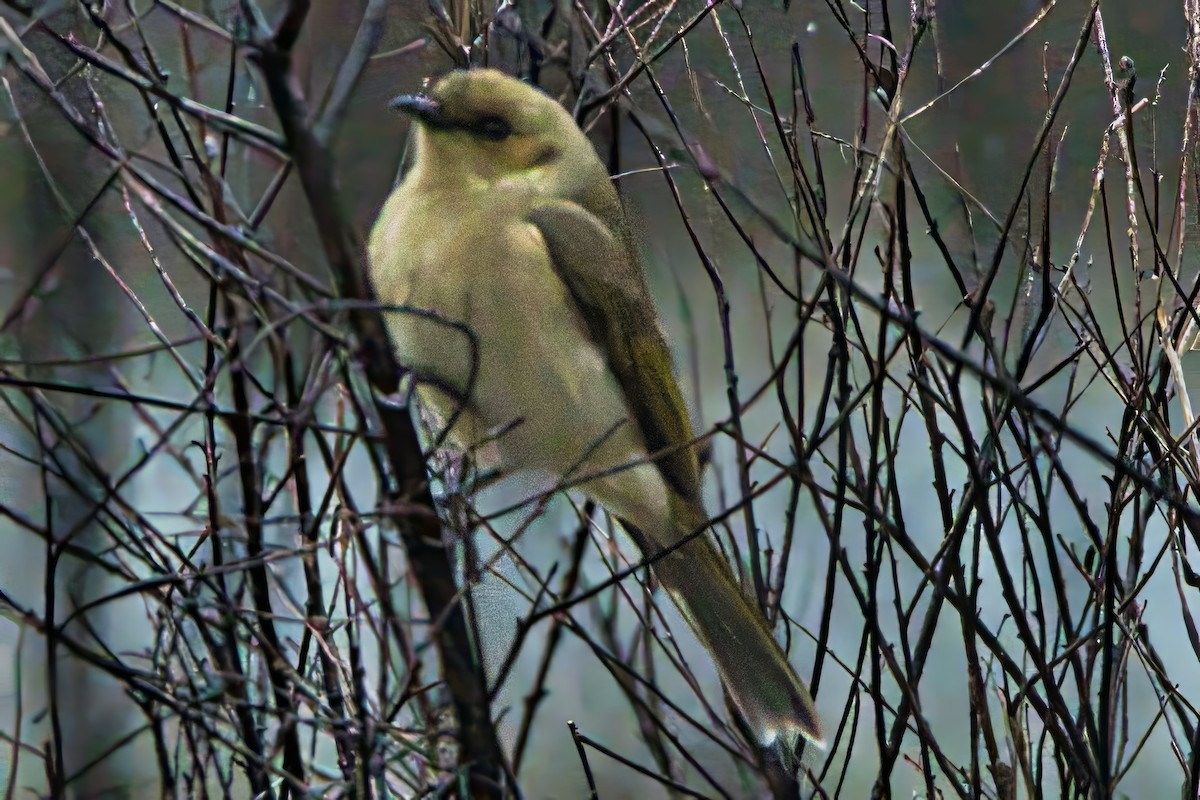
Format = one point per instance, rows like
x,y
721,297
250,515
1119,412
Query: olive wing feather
x,y
607,285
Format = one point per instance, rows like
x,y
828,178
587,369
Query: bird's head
x,y
495,127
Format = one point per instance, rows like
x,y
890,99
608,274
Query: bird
x,y
521,304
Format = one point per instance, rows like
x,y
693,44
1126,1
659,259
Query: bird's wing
x,y
610,292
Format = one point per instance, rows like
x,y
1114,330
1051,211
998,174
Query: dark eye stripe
x,y
546,156
494,128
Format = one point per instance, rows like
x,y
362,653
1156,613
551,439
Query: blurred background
x,y
971,463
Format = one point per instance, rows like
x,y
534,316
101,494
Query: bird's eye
x,y
494,128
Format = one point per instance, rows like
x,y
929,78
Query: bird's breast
x,y
481,311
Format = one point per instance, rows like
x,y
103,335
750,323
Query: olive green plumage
x,y
508,225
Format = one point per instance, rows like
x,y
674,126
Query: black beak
x,y
420,106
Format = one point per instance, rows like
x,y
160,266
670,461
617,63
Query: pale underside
x,y
543,392
556,370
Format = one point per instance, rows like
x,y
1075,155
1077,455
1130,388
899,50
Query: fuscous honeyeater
x,y
542,333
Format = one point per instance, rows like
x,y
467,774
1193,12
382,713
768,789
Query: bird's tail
x,y
773,701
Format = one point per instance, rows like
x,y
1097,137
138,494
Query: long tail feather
x,y
773,701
